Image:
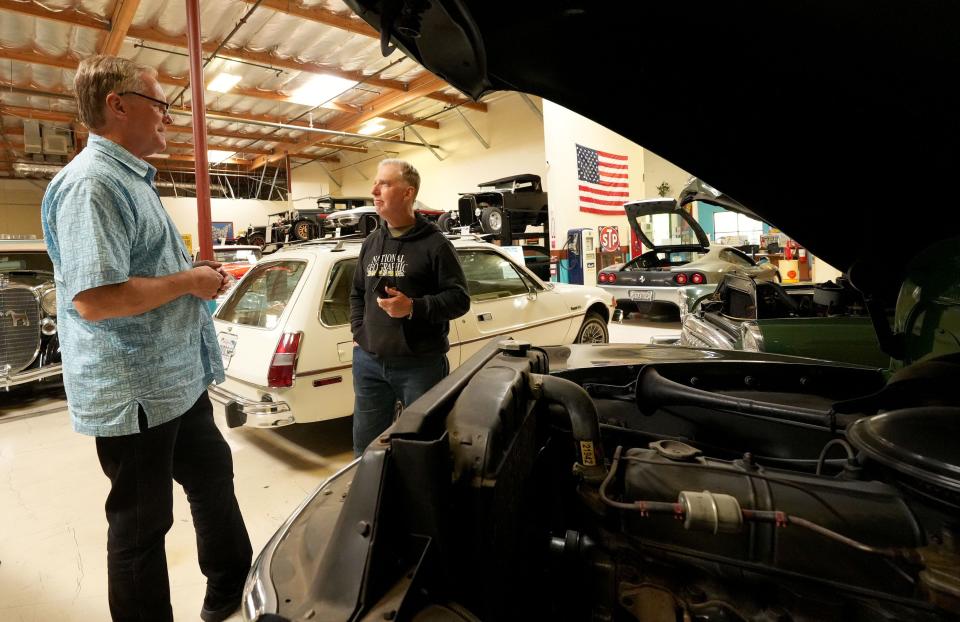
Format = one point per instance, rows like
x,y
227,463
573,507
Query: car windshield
x,y
25,260
667,229
259,300
237,255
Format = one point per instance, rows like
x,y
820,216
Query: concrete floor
x,y
52,526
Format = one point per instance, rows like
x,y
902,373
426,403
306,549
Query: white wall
x,y
563,130
241,212
656,170
513,131
20,206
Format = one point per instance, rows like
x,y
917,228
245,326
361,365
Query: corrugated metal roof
x,y
281,46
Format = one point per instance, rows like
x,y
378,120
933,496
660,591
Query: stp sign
x,y
609,239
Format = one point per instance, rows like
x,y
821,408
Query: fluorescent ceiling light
x,y
320,89
160,155
372,127
223,82
215,156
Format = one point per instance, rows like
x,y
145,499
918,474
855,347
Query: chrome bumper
x,y
241,411
29,376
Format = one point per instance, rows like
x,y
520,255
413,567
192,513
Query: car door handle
x,y
485,317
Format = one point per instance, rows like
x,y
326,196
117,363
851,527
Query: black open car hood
x,y
794,108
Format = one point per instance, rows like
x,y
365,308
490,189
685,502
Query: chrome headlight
x,y
48,326
48,301
751,338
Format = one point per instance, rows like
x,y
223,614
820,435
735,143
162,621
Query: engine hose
x,y
782,520
584,420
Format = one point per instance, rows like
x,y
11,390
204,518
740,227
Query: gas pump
x,y
581,262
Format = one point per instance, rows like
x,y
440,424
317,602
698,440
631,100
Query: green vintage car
x,y
825,321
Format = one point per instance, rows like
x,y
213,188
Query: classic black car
x,y
29,343
518,200
624,482
301,224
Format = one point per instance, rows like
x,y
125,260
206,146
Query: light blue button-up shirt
x,y
103,223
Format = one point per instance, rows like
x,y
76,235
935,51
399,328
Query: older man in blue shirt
x,y
139,348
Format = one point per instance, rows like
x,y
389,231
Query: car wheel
x,y
368,224
446,222
257,239
593,329
302,230
491,218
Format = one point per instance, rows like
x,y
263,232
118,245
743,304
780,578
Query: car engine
x,y
735,489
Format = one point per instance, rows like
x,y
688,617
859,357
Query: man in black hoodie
x,y
407,287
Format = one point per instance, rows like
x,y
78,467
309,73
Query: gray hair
x,y
97,77
407,171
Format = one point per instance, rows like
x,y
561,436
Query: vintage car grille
x,y
19,329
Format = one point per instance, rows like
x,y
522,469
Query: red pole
x,y
198,107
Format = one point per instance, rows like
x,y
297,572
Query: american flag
x,y
603,181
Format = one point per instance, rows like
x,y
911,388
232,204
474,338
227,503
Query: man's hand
x,y
208,282
216,265
397,304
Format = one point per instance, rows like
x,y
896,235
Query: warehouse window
x,y
736,229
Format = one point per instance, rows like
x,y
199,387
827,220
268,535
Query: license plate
x,y
228,343
641,294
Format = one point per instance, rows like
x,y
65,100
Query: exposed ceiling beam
x,y
385,103
179,145
40,115
182,157
409,119
69,117
321,16
458,101
188,129
123,12
375,108
263,58
240,117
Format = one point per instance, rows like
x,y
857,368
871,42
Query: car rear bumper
x,y
30,375
651,294
242,411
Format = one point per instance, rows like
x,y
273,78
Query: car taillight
x,y
284,362
602,277
607,277
698,279
681,279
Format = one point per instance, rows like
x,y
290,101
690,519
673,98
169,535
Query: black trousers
x,y
141,468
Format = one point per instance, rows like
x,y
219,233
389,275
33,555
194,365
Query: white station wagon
x,y
285,333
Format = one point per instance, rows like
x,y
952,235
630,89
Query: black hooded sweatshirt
x,y
423,265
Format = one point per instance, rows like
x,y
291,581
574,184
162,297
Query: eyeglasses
x,y
162,106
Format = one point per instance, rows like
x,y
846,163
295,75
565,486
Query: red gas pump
x,y
795,251
791,250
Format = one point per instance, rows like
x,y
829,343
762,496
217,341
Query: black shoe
x,y
220,612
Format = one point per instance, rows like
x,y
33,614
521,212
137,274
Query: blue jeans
x,y
379,383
